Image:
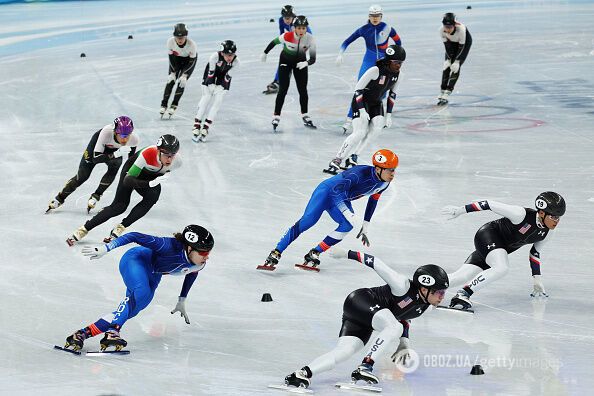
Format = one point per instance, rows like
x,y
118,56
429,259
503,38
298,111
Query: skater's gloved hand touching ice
x,y
181,308
94,252
402,355
453,211
339,60
263,56
363,234
539,290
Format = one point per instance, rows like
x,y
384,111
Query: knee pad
x,y
378,123
385,319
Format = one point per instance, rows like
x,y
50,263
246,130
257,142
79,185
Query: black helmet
x,y
168,144
300,20
180,30
287,11
198,238
551,203
228,47
449,19
395,52
431,276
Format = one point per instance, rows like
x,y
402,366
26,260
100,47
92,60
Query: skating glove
x,y
453,211
402,356
158,180
181,308
363,234
447,63
339,60
388,120
94,252
121,151
263,57
539,290
302,65
455,68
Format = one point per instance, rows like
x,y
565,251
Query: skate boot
x,y
76,340
112,338
92,202
364,373
308,122
297,379
271,88
275,122
54,204
162,111
116,232
333,166
271,261
79,234
196,130
462,298
347,126
443,98
351,161
310,261
203,133
171,110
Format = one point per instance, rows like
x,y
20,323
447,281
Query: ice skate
x,y
308,122
196,135
271,88
171,111
297,379
112,338
364,373
310,261
75,340
271,261
54,204
92,202
351,161
442,100
79,234
347,126
116,232
203,133
333,166
462,299
275,122
162,111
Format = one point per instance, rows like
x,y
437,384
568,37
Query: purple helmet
x,y
123,126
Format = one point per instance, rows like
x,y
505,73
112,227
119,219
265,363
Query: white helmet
x,y
376,10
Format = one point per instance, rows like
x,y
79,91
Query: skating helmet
x,y
300,20
385,159
287,11
180,30
551,203
123,126
431,276
376,10
198,238
228,47
168,144
449,19
396,53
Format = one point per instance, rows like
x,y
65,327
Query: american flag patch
x,y
525,228
382,80
405,302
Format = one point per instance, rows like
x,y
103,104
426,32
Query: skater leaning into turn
x,y
457,42
143,172
495,240
141,268
182,60
107,146
293,59
285,24
377,36
385,309
368,110
334,196
215,84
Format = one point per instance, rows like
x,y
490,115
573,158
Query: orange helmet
x,y
385,158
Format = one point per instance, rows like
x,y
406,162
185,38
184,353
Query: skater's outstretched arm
x,y
156,244
399,284
514,213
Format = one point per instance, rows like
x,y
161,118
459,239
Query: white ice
x,y
519,123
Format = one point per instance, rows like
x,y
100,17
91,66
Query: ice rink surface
x,y
519,123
